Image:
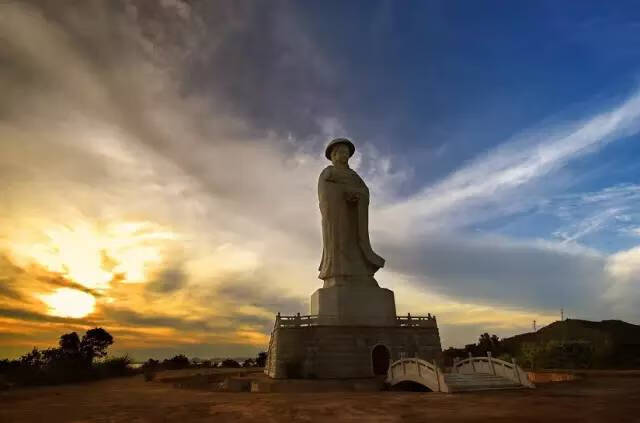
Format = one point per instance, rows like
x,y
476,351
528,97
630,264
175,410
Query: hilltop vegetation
x,y
570,344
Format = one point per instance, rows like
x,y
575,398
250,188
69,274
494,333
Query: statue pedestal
x,y
354,306
342,352
353,332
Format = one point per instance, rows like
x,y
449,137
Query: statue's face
x,y
340,154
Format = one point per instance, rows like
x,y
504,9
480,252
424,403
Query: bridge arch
x,y
415,370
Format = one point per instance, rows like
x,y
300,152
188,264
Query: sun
x,y
67,302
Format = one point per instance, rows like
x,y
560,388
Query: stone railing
x,y
297,320
419,371
493,366
416,321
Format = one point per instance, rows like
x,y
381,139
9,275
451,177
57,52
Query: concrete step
x,y
478,382
483,388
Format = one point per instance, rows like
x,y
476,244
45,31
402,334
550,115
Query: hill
x,y
580,343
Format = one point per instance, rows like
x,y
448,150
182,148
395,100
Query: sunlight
x,y
67,302
93,256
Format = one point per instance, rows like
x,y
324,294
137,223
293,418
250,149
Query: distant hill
x,y
611,343
616,331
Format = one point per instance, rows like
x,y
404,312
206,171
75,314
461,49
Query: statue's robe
x,y
347,256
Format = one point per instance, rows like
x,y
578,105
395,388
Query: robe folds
x,y
346,248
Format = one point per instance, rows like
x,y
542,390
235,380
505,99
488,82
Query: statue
x,y
347,256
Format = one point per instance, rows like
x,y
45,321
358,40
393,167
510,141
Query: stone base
x,y
354,306
327,352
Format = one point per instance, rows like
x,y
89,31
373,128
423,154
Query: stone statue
x,y
347,256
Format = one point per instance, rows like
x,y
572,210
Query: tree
x,y
179,361
261,360
32,359
489,343
70,343
151,364
249,362
230,363
95,343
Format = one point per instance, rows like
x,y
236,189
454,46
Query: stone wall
x,y
344,351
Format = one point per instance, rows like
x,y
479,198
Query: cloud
x,y
612,209
131,317
168,280
259,293
22,314
625,265
189,137
483,188
9,273
427,236
503,272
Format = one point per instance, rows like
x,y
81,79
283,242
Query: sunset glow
x,y
160,161
66,302
93,258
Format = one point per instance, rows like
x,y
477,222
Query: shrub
x,y
230,363
150,364
261,360
115,367
180,361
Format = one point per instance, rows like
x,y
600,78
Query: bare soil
x,y
600,398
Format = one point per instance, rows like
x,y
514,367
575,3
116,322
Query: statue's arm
x,y
323,181
362,191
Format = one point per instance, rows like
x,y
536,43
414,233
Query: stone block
x,y
354,306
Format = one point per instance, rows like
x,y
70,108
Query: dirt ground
x,y
608,398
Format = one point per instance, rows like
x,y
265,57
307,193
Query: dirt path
x,y
597,399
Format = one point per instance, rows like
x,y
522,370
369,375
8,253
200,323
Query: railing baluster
x,y
493,369
515,369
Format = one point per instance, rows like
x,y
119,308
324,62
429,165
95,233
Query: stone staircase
x,y
458,382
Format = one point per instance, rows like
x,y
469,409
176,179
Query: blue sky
x,y
442,82
162,161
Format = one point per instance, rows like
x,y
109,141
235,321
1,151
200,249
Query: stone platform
x,y
354,306
302,347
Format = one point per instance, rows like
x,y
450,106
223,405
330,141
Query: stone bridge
x,y
471,374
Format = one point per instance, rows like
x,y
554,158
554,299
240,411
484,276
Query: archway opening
x,y
410,386
380,358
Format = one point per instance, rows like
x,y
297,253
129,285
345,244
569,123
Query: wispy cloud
x,y
493,180
613,209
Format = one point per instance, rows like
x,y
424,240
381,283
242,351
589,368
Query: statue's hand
x,y
352,197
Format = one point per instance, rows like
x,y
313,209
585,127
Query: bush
x,y
230,363
150,364
180,361
261,360
114,367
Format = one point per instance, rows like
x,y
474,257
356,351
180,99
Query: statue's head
x,y
339,150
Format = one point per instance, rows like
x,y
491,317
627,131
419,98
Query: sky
x,y
159,164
